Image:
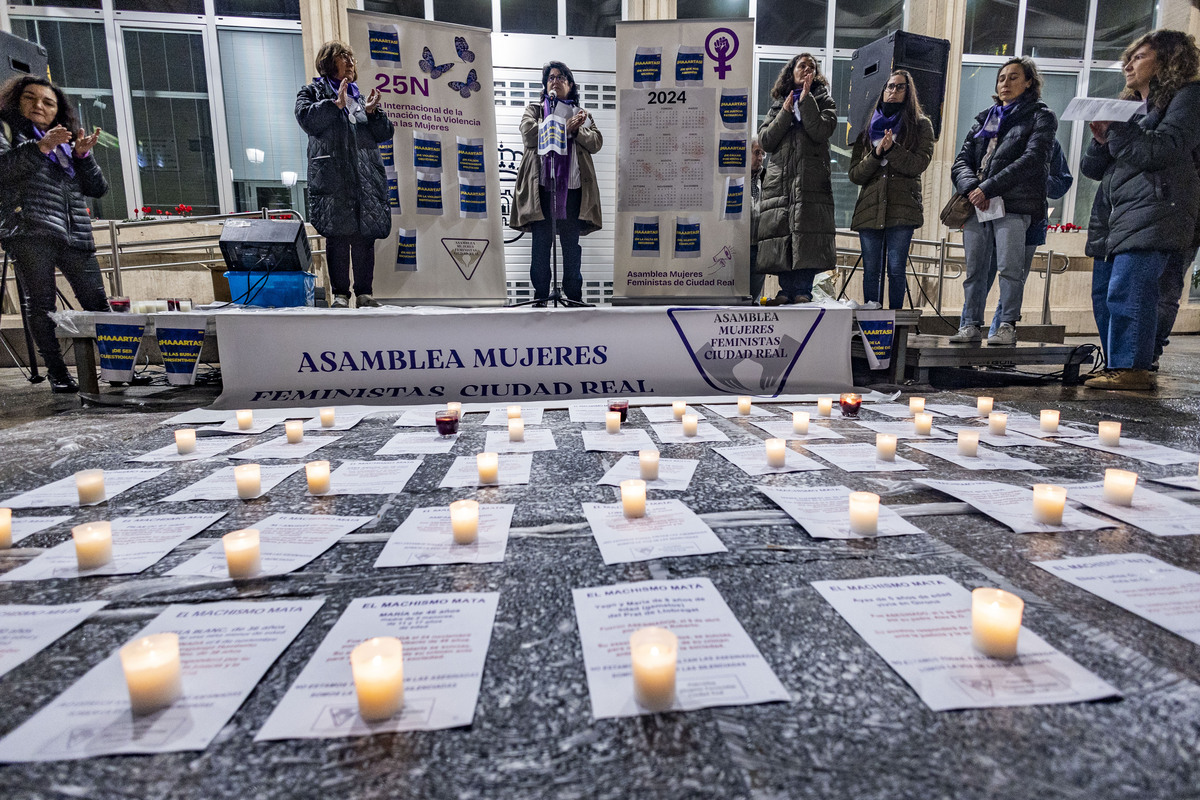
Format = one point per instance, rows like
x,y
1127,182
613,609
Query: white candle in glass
x,y
864,513
654,653
1110,434
968,444
633,498
996,622
885,447
916,404
93,544
90,485
514,412
464,521
1048,503
800,422
249,480
516,429
648,464
1049,421
488,465
317,473
998,424
1119,485
185,441
612,421
776,452
245,420
243,556
691,424
153,672
824,406
294,430
455,407
6,525
744,405
983,405
378,668
328,415
923,423
678,409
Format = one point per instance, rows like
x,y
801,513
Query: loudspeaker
x,y
265,245
21,57
924,57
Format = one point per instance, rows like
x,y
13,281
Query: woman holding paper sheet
x,y
1145,209
1001,169
558,191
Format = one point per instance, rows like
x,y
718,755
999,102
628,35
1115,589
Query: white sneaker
x,y
340,301
968,333
1006,334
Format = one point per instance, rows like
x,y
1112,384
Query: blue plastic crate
x,y
272,289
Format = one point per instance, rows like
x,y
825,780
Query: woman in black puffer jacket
x,y
347,186
1003,160
46,171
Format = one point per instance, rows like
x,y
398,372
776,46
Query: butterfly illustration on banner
x,y
434,69
471,84
464,52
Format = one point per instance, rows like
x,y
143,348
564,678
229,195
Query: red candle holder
x,y
850,403
621,406
447,422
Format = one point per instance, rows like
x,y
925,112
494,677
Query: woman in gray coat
x,y
796,234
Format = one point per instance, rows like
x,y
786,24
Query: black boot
x,y
62,383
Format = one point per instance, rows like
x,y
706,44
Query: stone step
x,y
947,325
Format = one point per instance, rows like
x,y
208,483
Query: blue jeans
x,y
1006,238
571,254
1125,304
797,282
1170,288
1030,250
875,244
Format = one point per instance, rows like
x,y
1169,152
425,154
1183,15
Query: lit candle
x,y
516,429
691,424
864,513
983,405
185,441
825,406
648,464
464,521
916,404
654,652
744,406
1049,421
6,517
1048,503
776,452
294,429
93,544
998,423
968,444
800,422
1119,485
153,672
245,420
633,498
612,421
885,447
90,485
1110,434
488,465
514,412
678,409
249,480
327,417
378,668
242,555
996,622
621,407
446,422
850,404
317,473
455,408
923,423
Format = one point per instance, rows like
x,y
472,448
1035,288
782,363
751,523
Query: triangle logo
x,y
466,254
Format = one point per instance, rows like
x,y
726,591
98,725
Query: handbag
x,y
957,211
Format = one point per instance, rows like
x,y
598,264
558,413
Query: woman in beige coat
x,y
570,179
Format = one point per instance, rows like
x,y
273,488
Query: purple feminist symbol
x,y
719,40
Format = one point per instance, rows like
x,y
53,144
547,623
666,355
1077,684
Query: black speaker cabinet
x,y
21,57
265,245
924,57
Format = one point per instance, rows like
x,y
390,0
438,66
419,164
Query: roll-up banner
x,y
446,245
683,104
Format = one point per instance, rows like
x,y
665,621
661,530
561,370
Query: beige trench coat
x,y
526,205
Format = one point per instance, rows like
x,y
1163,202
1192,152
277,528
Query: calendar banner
x,y
684,154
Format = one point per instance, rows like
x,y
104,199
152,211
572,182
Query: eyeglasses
x,y
896,87
556,77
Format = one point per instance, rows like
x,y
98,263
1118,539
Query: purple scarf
x,y
61,155
880,124
995,118
556,167
351,90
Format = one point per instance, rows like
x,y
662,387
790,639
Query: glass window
x,y
79,64
974,95
1058,88
161,6
171,120
792,23
54,3
1055,28
845,193
768,72
1119,22
597,18
274,9
403,8
991,28
464,12
860,22
529,16
711,9
1102,83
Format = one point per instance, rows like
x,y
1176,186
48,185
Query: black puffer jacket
x,y
1149,189
347,187
1017,170
38,199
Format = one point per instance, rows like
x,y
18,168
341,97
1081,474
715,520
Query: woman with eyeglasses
x,y
887,161
347,187
557,191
